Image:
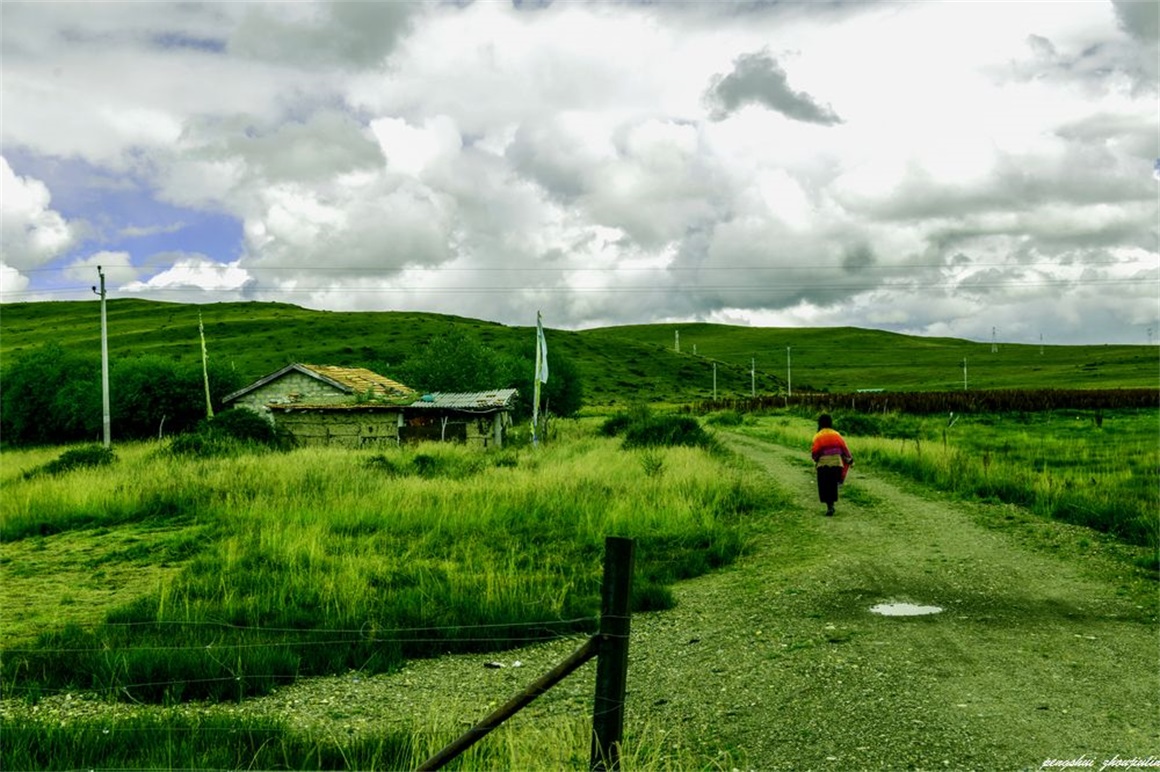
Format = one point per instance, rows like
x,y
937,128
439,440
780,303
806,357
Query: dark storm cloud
x,y
758,79
858,257
342,34
1139,18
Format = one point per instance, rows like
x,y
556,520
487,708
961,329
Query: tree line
x,y
52,394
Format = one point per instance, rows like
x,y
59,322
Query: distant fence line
x,y
932,402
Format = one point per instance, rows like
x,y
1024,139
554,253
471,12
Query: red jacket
x,y
829,449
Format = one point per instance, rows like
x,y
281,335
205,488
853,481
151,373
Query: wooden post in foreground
x,y
612,664
609,646
511,707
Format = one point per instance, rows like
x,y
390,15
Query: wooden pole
x,y
612,665
586,652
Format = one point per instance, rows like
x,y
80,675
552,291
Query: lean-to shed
x,y
480,417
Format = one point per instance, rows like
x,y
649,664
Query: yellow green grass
x,y
1095,468
170,739
266,567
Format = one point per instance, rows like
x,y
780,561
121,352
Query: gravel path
x,y
777,663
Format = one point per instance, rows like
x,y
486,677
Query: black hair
x,y
825,421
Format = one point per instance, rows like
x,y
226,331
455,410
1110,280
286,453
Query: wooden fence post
x,y
609,646
612,664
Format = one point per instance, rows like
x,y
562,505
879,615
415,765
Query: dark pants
x,y
828,479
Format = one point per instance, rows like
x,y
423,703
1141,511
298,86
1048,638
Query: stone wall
x,y
373,428
293,387
342,428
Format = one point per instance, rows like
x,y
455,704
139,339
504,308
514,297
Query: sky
x,y
981,170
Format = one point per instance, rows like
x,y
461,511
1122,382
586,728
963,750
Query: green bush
x,y
51,395
78,458
152,395
725,418
231,432
855,424
615,425
667,431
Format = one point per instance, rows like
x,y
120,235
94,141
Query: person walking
x,y
832,459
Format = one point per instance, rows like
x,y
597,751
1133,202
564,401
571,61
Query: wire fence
x,y
542,631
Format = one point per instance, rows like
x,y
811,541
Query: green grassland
x,y
618,365
250,559
165,580
162,580
847,358
1099,469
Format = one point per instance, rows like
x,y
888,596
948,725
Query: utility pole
x,y
752,378
1040,344
994,342
106,420
677,341
788,374
714,381
964,374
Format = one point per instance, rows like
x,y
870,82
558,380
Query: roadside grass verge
x,y
318,561
175,739
1097,470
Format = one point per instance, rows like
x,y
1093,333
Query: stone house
x,y
354,407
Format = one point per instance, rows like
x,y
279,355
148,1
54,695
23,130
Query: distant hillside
x,y
618,364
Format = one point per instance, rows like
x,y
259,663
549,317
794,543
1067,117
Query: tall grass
x,y
175,739
322,560
1097,469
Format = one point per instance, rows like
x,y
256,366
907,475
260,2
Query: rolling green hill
x,y
618,364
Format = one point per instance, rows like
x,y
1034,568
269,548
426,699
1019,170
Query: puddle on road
x,y
904,610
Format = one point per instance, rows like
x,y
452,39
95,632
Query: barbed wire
x,y
393,635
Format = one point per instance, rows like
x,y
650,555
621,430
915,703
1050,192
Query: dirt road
x,y
1046,647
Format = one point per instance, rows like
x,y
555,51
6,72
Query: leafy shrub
x,y
890,425
51,395
248,426
615,425
382,463
653,463
77,458
667,431
230,432
446,465
726,418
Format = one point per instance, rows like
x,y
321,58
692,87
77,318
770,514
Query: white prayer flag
x,y
541,351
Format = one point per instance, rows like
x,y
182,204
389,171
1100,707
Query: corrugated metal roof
x,y
477,400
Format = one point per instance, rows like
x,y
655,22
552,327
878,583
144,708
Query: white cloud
x,y
917,167
117,267
32,233
12,284
193,272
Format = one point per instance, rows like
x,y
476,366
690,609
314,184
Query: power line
x,y
827,266
657,288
